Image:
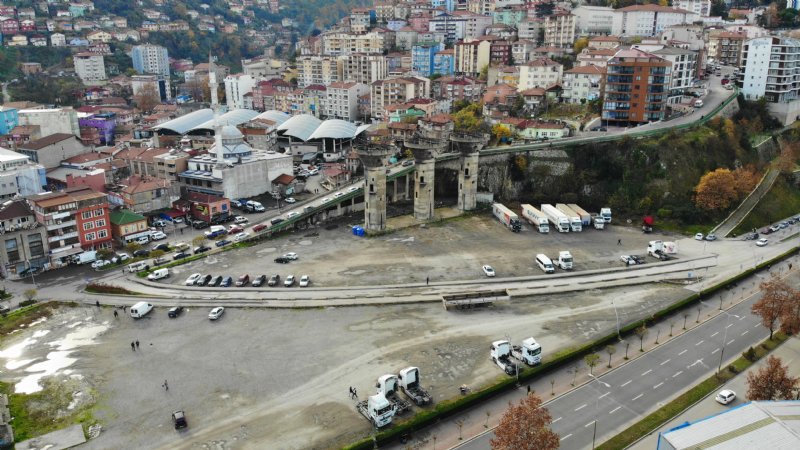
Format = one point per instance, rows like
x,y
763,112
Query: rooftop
x,y
46,141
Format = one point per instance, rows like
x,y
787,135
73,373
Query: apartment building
x,y
649,20
150,59
236,87
318,70
341,101
582,84
700,7
683,71
530,28
472,56
422,56
24,241
593,20
636,88
396,90
559,30
771,69
726,46
90,67
454,88
539,72
363,68
338,43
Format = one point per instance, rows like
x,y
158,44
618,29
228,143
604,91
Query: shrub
x,y
664,213
25,303
749,354
102,288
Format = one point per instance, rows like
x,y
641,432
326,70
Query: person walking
x,y
427,281
115,314
97,303
619,241
133,346
137,343
166,386
351,391
355,393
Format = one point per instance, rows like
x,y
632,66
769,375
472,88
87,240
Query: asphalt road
x,y
625,395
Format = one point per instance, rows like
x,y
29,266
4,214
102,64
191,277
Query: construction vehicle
x,y
662,250
409,384
377,409
530,352
586,218
536,218
575,223
598,221
556,217
501,355
506,217
388,386
606,214
647,224
564,260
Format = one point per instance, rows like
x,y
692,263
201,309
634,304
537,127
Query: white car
x,y
292,214
216,313
289,281
193,279
305,280
290,200
158,235
761,242
100,263
313,172
177,220
240,220
338,194
324,200
291,255
725,396
627,260
711,237
488,271
120,257
698,236
353,188
241,236
143,240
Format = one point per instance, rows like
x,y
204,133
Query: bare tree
x,y
641,332
147,98
610,349
526,427
775,297
771,382
30,294
591,360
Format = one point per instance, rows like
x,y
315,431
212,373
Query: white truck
x,y
606,214
388,385
564,260
377,409
586,218
506,217
86,257
556,217
409,384
530,352
536,218
501,355
662,250
575,224
598,221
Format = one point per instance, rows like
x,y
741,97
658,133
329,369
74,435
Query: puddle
x,y
41,333
55,361
84,336
37,321
305,242
16,364
15,351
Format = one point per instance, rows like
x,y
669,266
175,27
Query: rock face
x,y
515,176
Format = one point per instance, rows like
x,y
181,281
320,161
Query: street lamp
x,y
597,408
725,338
616,314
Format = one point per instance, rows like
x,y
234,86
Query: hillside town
x,y
181,140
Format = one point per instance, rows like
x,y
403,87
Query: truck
x,y
388,385
661,250
564,260
598,221
506,217
586,218
86,257
575,223
253,206
556,217
530,352
501,355
409,384
606,214
377,409
647,224
536,218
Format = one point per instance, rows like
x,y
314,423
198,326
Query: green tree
x,y
591,360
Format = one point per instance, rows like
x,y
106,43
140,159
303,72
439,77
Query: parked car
x,y
775,228
175,312
120,257
725,396
274,280
290,200
192,280
762,242
488,271
158,235
163,247
408,163
353,188
222,243
226,282
292,214
291,255
143,240
200,224
243,280
698,236
216,313
338,194
179,420
282,260
289,281
628,260
100,263
260,227
202,281
177,220
215,281
180,255
159,223
259,280
235,229
240,220
141,253
201,249
305,280
241,236
4,308
711,237
276,221
160,260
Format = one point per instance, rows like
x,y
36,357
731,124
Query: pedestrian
x,y
427,281
115,314
166,386
529,389
123,271
619,241
181,230
351,391
137,343
123,308
97,303
355,393
133,346
790,266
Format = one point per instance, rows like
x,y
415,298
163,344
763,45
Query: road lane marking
x,y
637,397
556,420
666,362
566,436
589,424
728,325
745,332
756,325
580,407
658,385
615,410
698,343
626,383
605,394
677,373
647,372
684,351
730,342
715,334
715,351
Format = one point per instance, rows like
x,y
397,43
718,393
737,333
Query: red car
x,y
259,227
725,81
235,229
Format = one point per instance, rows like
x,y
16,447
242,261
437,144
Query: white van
x,y
140,310
158,274
137,266
143,240
544,263
698,103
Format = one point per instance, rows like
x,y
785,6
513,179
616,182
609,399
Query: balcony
x,y
61,215
62,237
60,224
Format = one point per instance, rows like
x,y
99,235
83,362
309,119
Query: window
x,y
89,236
12,250
86,214
98,212
102,234
35,245
88,226
100,223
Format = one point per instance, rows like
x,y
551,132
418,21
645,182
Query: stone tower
x,y
425,151
469,145
374,158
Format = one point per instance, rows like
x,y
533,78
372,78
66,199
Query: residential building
x,y
338,43
444,62
450,26
363,68
168,165
475,25
396,90
342,100
582,84
406,37
236,87
700,7
58,40
24,241
530,29
127,226
9,118
559,30
159,83
539,72
422,55
593,20
360,20
322,70
472,56
683,73
726,46
76,220
150,59
498,100
90,67
770,71
51,121
648,20
636,88
19,177
142,194
50,150
595,57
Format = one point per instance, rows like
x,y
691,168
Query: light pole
x,y
597,408
725,338
617,315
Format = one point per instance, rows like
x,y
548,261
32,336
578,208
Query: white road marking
x,y
756,325
745,332
715,334
658,385
677,373
698,343
580,407
604,394
566,436
684,351
730,342
615,410
589,424
626,383
637,397
728,325
715,351
556,420
665,362
647,372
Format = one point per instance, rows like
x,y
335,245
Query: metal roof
x,y
301,126
234,117
181,125
278,117
306,127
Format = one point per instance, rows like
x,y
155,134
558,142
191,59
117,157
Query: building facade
x,y
24,241
90,67
770,69
559,30
636,88
150,59
342,100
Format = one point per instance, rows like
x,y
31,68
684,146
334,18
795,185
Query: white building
x,y
684,70
593,20
58,40
770,71
150,59
648,20
318,70
363,68
159,83
90,67
51,121
559,30
452,27
19,176
530,28
236,87
342,100
540,72
700,7
582,84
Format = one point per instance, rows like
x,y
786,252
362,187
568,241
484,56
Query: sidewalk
x,y
789,352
